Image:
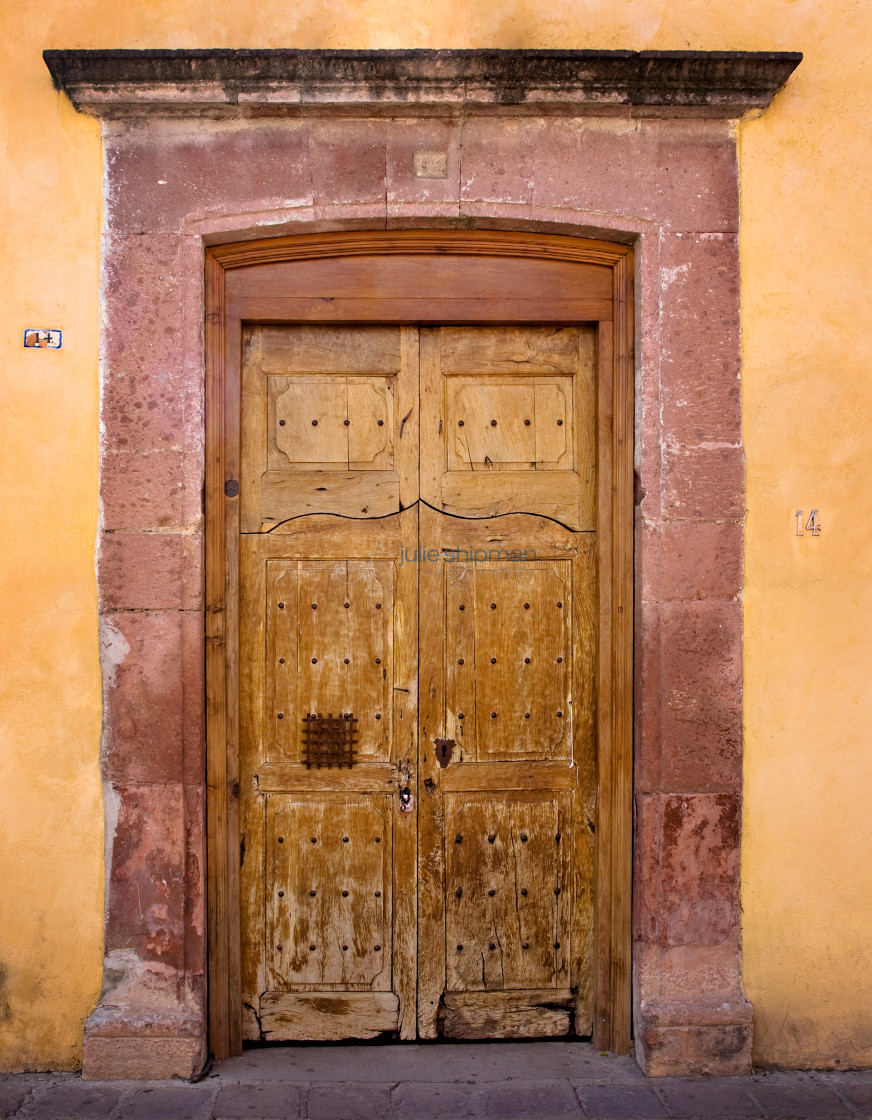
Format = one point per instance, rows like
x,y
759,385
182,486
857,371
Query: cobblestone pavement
x,y
437,1081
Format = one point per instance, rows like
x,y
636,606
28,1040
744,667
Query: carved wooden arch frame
x,y
614,316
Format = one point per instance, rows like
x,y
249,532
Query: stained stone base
x,y
683,1039
123,1046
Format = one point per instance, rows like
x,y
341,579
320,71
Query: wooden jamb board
x,y
259,292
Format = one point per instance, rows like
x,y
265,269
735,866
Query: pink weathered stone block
x,y
356,215
152,391
153,696
683,1051
348,161
703,483
647,722
137,1058
499,155
646,876
681,176
687,970
701,560
176,170
195,884
403,140
497,215
699,339
701,696
143,490
647,560
146,885
698,866
193,711
423,215
141,571
648,433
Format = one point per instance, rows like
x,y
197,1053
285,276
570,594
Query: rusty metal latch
x,y
444,750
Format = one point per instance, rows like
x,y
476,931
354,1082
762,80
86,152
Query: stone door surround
x,y
215,147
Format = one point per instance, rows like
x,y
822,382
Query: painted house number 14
x,y
812,526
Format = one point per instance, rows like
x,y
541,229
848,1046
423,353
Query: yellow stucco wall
x,y
807,876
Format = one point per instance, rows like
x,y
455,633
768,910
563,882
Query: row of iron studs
x,y
493,660
345,660
313,893
458,839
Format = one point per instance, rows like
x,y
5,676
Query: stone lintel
x,y
296,83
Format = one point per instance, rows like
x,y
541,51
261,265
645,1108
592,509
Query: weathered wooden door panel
x,y
485,928
507,664
508,630
506,919
328,628
328,880
329,422
330,859
516,408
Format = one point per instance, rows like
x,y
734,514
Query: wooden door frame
x,y
225,313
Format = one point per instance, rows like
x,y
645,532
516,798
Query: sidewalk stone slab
x,y
725,1097
74,1100
173,1103
440,1081
273,1101
859,1093
620,1102
804,1100
434,1101
349,1102
12,1095
530,1100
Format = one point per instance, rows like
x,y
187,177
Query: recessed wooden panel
x,y
546,1013
506,899
321,401
330,349
331,423
328,892
522,424
330,650
370,424
307,421
509,657
328,1016
502,407
490,350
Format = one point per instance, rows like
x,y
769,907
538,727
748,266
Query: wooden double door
x,y
417,627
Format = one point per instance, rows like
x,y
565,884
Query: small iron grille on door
x,y
329,740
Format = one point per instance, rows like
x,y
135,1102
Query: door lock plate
x,y
444,750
